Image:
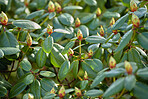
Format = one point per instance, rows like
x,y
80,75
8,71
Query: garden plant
x,y
73,49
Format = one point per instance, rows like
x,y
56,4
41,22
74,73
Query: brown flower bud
x,y
29,40
98,12
70,52
77,22
128,67
133,6
85,76
78,92
3,18
26,2
112,22
51,7
52,91
90,53
62,92
135,21
115,32
49,29
58,7
79,34
101,31
112,63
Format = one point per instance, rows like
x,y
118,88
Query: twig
x,y
11,70
56,74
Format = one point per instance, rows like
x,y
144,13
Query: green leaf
x,y
64,70
129,82
41,5
5,83
28,79
115,72
85,31
94,24
116,37
66,48
47,44
89,70
142,39
106,45
27,24
69,90
41,58
26,65
146,25
9,50
108,14
91,2
3,91
95,64
120,22
97,80
87,18
114,88
35,14
47,74
52,15
4,2
7,39
74,67
57,24
140,90
35,89
143,73
66,19
124,57
84,84
48,95
72,8
17,89
141,12
62,31
125,40
48,84
95,39
1,54
93,93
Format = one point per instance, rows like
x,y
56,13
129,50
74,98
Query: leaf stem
x,y
44,21
114,79
80,48
121,93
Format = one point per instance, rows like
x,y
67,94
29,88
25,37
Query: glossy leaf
x,y
72,8
26,65
85,31
143,73
91,2
108,14
143,39
74,67
52,15
3,91
87,18
62,31
47,44
68,45
35,14
130,82
47,74
1,54
28,79
115,72
9,50
95,39
94,24
94,93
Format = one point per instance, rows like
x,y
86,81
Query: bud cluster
x,y
135,21
77,22
52,91
49,29
112,22
78,92
112,63
3,18
79,34
133,6
62,92
85,76
98,13
101,31
90,53
128,68
70,52
52,7
29,40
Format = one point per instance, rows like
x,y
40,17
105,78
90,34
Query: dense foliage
x,y
73,49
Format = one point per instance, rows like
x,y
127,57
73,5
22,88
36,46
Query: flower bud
x,y
70,52
79,34
135,21
112,22
78,92
62,92
26,2
133,6
98,12
49,29
101,31
77,22
128,67
85,76
112,63
30,96
51,7
58,7
115,31
29,40
3,18
52,91
90,53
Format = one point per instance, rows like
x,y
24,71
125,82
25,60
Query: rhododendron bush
x,y
81,49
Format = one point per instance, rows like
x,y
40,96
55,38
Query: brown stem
x,y
67,82
57,75
11,70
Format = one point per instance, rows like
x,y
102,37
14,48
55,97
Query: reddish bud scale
x,y
90,53
112,22
78,92
115,32
133,6
77,22
101,31
49,29
52,91
85,76
98,13
70,52
112,63
128,68
79,35
135,21
62,92
51,7
29,40
3,18
58,7
26,2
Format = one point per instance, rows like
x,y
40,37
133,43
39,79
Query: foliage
x,y
73,49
